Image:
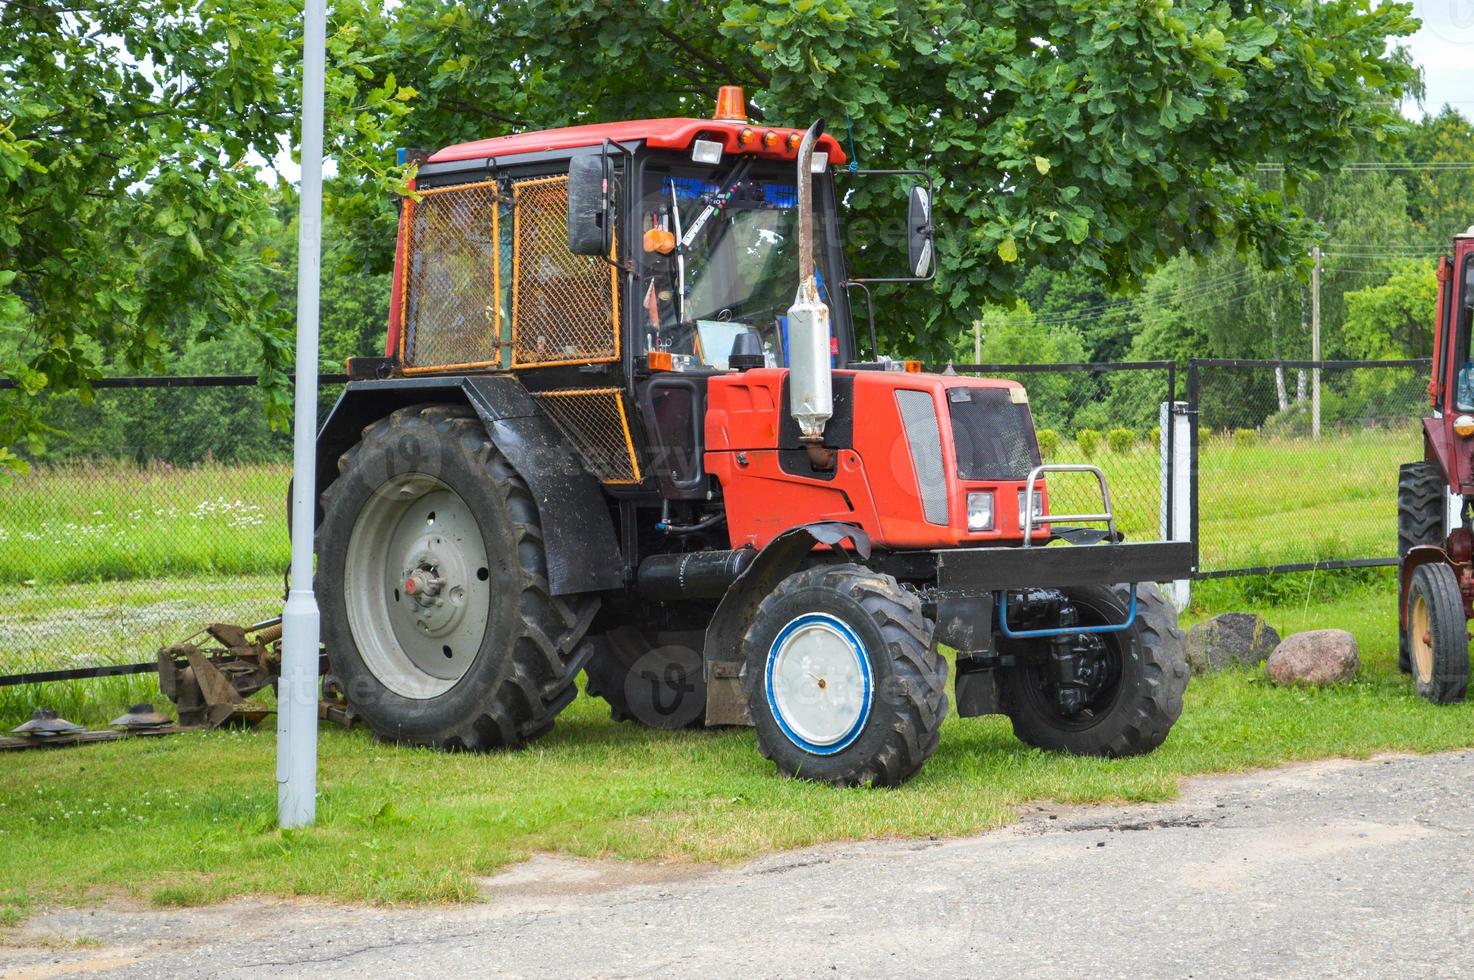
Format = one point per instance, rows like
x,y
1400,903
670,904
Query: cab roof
x,y
667,134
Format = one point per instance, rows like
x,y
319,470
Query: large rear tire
x,y
434,591
1141,697
1420,512
1437,634
654,678
844,682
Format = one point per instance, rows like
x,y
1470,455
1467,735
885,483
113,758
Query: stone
x,y
1230,640
1315,657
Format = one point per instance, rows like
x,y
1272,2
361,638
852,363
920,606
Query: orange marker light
x,y
794,139
770,139
731,104
746,136
913,367
660,360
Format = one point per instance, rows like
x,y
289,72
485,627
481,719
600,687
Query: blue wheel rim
x,y
857,649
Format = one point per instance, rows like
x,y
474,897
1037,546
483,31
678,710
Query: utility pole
x,y
977,341
296,708
1315,345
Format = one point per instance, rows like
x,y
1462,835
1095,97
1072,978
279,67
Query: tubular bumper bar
x,y
971,572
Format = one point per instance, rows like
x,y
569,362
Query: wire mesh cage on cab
x,y
487,281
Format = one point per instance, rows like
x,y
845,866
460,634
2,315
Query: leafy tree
x,y
1095,135
131,136
1440,198
1101,137
1394,318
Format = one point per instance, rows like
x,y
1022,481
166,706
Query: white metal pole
x,y
296,712
1176,522
1315,346
1183,503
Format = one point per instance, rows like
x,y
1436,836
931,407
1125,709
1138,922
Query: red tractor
x,y
607,436
1434,538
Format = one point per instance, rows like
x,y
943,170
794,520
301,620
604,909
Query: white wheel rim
x,y
417,586
819,683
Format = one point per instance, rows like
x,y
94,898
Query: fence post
x,y
1176,484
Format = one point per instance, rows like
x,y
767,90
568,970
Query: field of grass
x,y
189,819
54,627
118,521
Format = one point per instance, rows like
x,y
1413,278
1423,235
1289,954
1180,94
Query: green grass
x,y
189,819
54,627
118,521
1276,501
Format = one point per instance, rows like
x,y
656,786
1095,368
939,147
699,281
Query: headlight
x,y
980,511
1037,510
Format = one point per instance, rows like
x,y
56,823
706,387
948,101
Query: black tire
x,y
1438,634
897,728
655,679
1420,490
1133,713
522,673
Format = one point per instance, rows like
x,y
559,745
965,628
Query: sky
x,y
1444,47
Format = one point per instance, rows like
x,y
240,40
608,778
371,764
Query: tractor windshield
x,y
739,269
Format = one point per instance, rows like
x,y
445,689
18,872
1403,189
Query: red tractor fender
x,y
1417,556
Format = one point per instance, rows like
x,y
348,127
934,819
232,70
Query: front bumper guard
x,y
975,572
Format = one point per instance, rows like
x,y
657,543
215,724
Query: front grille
x,y
993,433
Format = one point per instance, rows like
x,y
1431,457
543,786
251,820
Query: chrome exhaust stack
x,y
810,391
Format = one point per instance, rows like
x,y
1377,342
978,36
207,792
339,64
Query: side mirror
x,y
920,234
588,206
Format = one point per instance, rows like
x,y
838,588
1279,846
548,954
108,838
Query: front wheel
x,y
844,682
1437,634
1132,693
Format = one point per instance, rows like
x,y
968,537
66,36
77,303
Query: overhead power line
x,y
1371,165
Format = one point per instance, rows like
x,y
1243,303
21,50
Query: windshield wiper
x,y
717,203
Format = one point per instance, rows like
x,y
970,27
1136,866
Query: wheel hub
x,y
418,586
435,603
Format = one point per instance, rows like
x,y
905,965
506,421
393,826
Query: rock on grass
x,y
1230,640
1315,657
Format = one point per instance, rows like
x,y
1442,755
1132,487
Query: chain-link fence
x,y
1280,487
158,507
1106,415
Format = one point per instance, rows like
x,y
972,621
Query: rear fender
x,y
726,703
578,533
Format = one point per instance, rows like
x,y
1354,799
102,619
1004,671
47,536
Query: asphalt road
x,y
1334,868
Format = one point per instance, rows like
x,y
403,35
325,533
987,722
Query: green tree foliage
x,y
131,202
1440,196
1090,140
1395,317
1101,136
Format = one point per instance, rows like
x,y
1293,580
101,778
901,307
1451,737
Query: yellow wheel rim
x,y
1420,638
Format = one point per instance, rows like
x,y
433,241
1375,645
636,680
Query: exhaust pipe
x,y
809,384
